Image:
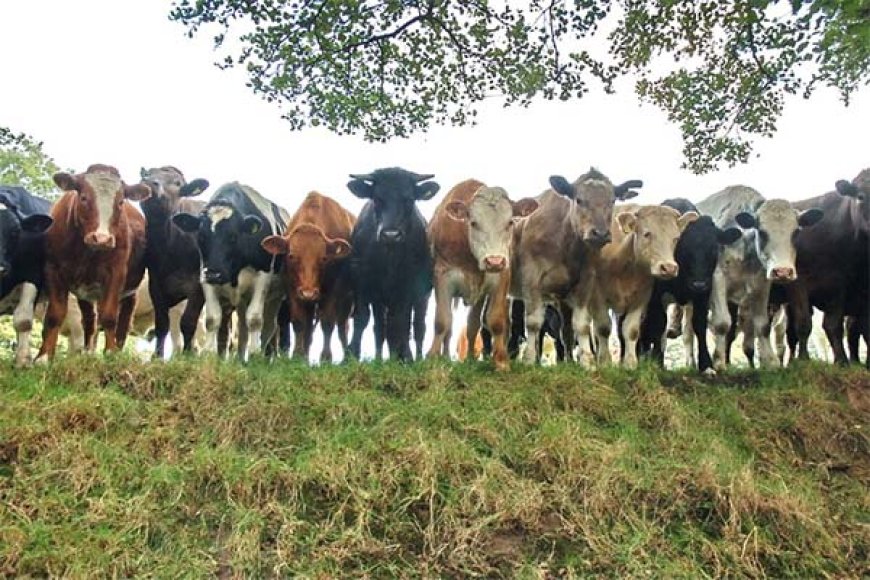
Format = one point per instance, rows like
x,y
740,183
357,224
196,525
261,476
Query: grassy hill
x,y
195,467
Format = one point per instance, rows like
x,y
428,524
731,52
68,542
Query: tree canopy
x,y
387,68
24,163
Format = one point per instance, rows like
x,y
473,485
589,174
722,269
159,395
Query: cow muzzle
x,y
782,274
597,238
391,236
308,294
666,270
100,241
699,286
214,277
493,264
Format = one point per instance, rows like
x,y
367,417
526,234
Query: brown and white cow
x,y
470,237
764,255
554,249
315,272
641,251
95,249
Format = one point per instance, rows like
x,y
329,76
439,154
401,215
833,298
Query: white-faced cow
x,y
764,255
23,221
471,238
95,249
554,252
172,256
391,265
641,251
237,273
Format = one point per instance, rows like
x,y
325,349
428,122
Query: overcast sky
x,y
110,81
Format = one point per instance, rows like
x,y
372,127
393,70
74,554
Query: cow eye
x,y
647,234
474,224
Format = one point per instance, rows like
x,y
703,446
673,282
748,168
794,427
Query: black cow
x,y
237,273
697,253
23,221
172,255
391,265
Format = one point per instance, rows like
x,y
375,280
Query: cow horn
x,y
362,177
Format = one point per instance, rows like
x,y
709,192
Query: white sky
x,y
110,81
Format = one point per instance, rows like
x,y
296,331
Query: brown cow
x,y
470,236
642,250
95,249
314,273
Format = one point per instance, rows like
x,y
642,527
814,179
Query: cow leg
x,y
190,320
473,328
398,327
581,320
161,316
736,321
721,319
675,320
108,309
780,322
379,313
653,332
535,313
213,319
22,321
630,334
419,311
243,335
496,322
361,316
89,324
125,316
518,327
225,330
255,312
175,314
302,319
760,323
54,316
443,318
603,326
687,314
833,325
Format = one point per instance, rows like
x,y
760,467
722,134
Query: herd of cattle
x,y
569,262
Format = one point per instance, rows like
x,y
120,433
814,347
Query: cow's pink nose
x,y
100,240
309,295
495,263
668,269
783,274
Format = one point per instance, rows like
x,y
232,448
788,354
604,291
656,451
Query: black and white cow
x,y
23,221
172,255
391,265
237,273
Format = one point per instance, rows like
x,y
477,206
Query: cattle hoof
x,y
41,360
709,372
502,366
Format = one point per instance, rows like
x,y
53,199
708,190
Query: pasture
x,y
194,467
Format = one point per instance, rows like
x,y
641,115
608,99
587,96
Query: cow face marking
x,y
656,232
308,253
490,228
217,214
101,194
776,224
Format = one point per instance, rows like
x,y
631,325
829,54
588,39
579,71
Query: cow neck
x,y
625,255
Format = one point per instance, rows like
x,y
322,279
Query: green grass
x,y
199,467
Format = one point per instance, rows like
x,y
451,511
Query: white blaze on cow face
x,y
217,214
107,194
490,228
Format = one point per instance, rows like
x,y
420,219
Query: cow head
x,y
307,252
859,190
393,193
12,225
697,252
489,218
656,231
100,197
774,224
168,186
220,228
592,196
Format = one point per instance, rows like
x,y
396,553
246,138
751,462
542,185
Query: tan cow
x,y
642,250
470,236
318,288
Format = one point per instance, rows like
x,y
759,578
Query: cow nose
x,y
309,295
392,236
495,263
668,270
699,286
213,276
597,237
100,240
785,274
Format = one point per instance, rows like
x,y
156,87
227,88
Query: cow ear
x,y
685,219
426,190
143,173
186,222
36,223
275,245
745,220
252,224
360,188
627,221
625,195
561,186
457,210
66,182
195,187
810,217
846,188
524,207
138,192
337,249
728,236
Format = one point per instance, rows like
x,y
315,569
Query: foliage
x,y
115,467
24,163
721,70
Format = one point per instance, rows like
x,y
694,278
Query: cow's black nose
x,y
699,286
392,236
213,277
